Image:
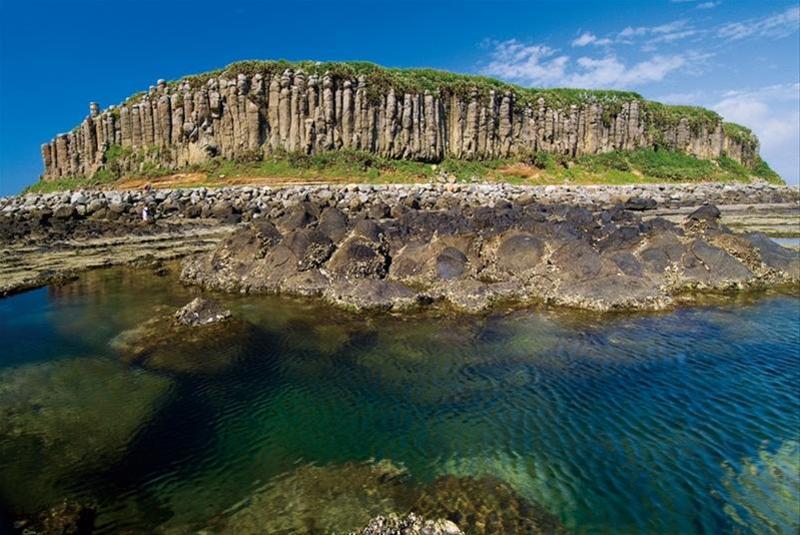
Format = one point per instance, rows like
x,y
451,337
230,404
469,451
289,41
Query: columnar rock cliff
x,y
269,107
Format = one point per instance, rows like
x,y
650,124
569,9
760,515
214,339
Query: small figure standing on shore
x,y
145,214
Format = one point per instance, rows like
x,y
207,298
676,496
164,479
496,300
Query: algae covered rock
x,y
201,312
201,337
484,505
66,518
409,525
322,499
64,418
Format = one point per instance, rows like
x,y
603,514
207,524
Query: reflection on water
x,y
649,423
791,243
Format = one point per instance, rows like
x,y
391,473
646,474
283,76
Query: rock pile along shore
x,y
470,246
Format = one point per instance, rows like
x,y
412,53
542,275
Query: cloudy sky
x,y
740,58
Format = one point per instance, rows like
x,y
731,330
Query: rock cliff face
x,y
248,115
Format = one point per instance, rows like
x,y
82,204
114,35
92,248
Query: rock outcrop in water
x,y
199,338
366,498
409,525
251,110
400,257
67,518
201,312
70,416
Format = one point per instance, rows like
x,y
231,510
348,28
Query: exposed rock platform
x,y
474,257
404,246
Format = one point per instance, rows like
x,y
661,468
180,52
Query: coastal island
x,y
368,196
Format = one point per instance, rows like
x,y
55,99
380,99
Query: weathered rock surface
x,y
67,518
201,312
247,116
484,505
381,498
199,338
340,228
473,257
93,213
409,525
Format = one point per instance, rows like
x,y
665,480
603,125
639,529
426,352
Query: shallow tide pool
x,y
679,422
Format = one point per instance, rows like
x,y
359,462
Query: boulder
x,y
408,525
359,257
201,311
707,213
519,252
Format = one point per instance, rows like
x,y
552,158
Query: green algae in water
x,y
647,423
65,418
763,496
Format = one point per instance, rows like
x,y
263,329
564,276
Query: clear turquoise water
x,y
682,422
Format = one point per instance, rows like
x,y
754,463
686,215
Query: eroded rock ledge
x,y
398,246
471,257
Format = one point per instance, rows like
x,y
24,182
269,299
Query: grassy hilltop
x,y
656,164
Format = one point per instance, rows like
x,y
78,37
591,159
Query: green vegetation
x,y
762,170
381,79
739,133
65,183
347,166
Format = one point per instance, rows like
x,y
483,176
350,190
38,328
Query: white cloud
x,y
691,97
773,113
588,38
707,5
536,64
540,65
611,72
778,25
663,33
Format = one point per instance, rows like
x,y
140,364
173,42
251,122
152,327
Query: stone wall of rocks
x,y
174,125
20,214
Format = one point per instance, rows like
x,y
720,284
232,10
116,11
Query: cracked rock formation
x,y
474,257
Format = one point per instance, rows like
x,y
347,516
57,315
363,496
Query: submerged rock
x,y
61,419
372,498
201,312
322,499
762,496
485,505
474,257
201,337
67,518
409,525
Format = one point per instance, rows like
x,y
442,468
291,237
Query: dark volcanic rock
x,y
450,263
333,223
475,257
519,252
640,204
707,212
359,257
310,246
200,338
201,312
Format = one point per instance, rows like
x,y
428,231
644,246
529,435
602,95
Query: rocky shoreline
x,y
397,247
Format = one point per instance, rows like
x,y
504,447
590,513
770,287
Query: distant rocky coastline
x,y
401,247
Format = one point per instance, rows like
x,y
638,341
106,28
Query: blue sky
x,y
739,58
